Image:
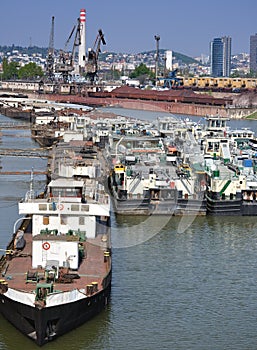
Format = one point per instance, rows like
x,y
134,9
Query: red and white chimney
x,y
82,46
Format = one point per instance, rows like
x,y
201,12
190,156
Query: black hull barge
x,y
56,271
44,325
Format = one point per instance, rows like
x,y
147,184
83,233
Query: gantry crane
x,y
92,59
171,80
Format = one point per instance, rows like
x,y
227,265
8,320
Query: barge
x,y
148,176
59,275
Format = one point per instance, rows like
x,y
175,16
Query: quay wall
x,y
233,111
158,106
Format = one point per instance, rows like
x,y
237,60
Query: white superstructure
x,y
67,215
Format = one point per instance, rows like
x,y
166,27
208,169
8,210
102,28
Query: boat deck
x,y
93,268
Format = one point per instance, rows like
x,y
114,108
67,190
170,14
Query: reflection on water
x,y
130,231
195,288
92,335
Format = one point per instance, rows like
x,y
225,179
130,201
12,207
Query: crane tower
x,y
50,55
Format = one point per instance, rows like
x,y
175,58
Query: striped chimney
x,y
82,46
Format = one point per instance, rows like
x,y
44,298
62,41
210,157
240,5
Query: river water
x,y
178,283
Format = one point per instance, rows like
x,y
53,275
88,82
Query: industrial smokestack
x,y
82,46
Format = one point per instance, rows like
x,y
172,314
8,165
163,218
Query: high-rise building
x,y
216,53
226,55
168,57
253,53
220,56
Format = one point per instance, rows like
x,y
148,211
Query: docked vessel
x,y
148,175
230,169
56,271
232,187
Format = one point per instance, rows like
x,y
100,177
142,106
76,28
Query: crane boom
x,y
68,40
77,41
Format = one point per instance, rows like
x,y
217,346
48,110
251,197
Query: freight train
x,y
222,83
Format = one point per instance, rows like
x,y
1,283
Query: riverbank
x,y
242,105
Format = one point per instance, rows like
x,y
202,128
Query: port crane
x,y
66,60
171,80
92,58
157,39
50,55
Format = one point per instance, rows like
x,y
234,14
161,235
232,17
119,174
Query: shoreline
x,y
235,111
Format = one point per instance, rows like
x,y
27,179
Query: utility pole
x,y
157,38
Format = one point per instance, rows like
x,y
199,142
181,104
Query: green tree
x,y
111,74
10,70
5,64
142,73
252,74
30,71
237,74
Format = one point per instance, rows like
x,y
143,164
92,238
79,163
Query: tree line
x,y
13,70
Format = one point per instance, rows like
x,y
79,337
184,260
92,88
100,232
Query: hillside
x,y
102,56
24,50
179,56
185,59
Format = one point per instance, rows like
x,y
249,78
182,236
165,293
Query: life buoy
x,y
46,245
60,206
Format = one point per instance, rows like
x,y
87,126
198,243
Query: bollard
x,y
95,286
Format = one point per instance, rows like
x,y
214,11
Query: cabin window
x,y
66,192
64,219
84,207
42,207
81,220
216,147
75,207
52,206
210,146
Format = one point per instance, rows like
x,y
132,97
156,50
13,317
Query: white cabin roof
x,y
63,182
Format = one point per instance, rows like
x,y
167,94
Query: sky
x,y
130,26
